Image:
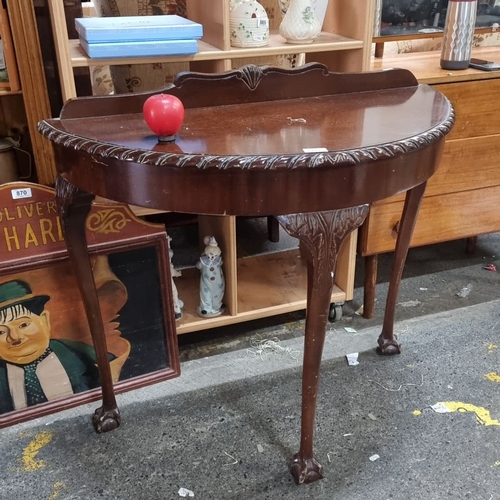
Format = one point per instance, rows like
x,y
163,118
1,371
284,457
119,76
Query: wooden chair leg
x,y
371,269
379,50
273,229
470,245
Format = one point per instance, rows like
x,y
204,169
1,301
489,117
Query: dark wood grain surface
x,y
363,126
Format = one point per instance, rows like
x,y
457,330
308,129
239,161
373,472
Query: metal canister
x,y
8,163
458,34
9,154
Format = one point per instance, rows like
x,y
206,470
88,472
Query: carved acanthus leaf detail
x,y
322,233
70,197
66,194
251,75
257,162
65,191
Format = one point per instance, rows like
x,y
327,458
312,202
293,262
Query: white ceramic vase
x,y
248,24
319,7
300,24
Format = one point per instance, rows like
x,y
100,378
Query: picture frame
x,y
425,18
40,301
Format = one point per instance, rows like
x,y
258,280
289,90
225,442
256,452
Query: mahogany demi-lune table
x,y
310,147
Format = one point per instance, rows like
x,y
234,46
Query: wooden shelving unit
x,y
264,285
344,44
14,122
35,97
206,52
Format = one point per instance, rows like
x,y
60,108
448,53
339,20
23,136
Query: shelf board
x,y
326,42
268,285
9,92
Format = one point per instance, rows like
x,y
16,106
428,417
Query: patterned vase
x,y
319,7
248,24
300,24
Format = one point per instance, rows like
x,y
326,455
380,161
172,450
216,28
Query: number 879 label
x,y
17,194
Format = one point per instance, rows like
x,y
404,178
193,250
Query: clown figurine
x,y
174,273
211,280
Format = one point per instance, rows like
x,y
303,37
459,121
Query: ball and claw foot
x,y
305,470
105,421
388,347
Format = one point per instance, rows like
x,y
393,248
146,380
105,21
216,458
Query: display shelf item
x,y
140,49
137,29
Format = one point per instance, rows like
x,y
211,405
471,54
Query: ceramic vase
x,y
319,7
300,24
248,24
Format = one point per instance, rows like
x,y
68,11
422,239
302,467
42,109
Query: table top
x,y
426,68
251,134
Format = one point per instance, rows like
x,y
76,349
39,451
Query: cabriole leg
x,y
74,205
321,235
387,343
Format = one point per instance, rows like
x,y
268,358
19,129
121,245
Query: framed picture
x,y
425,17
47,359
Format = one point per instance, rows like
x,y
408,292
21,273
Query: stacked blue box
x,y
107,37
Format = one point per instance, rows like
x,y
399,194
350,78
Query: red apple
x,y
164,114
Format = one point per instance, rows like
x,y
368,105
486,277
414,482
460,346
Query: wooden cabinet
x,y
461,199
271,284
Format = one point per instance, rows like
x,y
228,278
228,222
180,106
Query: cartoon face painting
x,y
34,368
24,335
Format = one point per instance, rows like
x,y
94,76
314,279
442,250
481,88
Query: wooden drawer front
x,y
476,107
442,218
466,164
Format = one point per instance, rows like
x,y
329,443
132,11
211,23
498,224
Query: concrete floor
x,y
227,428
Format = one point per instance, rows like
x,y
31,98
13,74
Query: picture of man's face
x,y
24,337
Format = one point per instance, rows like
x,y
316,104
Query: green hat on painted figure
x,y
15,292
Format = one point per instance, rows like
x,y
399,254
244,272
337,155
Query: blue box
x,y
137,29
142,49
